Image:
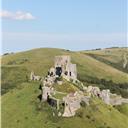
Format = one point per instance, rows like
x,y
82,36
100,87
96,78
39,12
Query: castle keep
x,y
65,68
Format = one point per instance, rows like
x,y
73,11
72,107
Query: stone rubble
x,y
72,103
34,77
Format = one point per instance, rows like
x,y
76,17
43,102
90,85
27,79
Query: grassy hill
x,y
40,60
17,67
22,109
111,56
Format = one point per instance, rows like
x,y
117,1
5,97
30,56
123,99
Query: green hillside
x,y
114,57
22,109
18,66
39,60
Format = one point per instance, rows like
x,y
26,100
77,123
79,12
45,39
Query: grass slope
x,y
17,67
21,109
123,108
113,57
12,76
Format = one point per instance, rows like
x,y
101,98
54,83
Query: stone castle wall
x,y
68,69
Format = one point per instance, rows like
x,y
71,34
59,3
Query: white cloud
x,y
19,15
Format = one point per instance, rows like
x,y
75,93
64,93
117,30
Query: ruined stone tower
x,y
65,68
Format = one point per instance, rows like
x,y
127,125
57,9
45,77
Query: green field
x,y
22,109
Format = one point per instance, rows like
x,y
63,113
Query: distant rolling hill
x,y
115,57
17,67
21,108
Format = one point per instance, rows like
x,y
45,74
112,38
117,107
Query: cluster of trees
x,y
112,47
8,53
20,61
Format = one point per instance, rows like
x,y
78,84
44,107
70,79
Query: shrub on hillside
x,y
83,104
80,113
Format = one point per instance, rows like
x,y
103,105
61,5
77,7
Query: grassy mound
x,y
113,57
22,109
40,60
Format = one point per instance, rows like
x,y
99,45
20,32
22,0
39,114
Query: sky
x,y
67,24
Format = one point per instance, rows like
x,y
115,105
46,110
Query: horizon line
x,y
97,48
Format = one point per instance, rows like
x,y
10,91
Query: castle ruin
x,y
65,68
